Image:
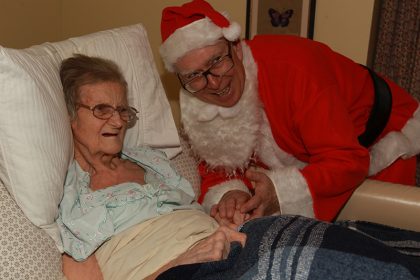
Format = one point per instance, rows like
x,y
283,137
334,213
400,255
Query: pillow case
x,y
35,136
36,145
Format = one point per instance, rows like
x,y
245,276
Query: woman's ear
x,y
237,47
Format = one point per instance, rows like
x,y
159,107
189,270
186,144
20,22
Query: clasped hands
x,y
236,207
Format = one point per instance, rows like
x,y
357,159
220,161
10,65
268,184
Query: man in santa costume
x,y
318,123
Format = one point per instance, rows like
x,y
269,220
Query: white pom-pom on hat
x,y
233,32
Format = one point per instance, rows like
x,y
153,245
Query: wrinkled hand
x,y
228,204
264,201
86,270
214,248
237,219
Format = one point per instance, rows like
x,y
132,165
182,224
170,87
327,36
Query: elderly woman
x,y
129,215
108,190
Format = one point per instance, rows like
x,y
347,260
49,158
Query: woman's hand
x,y
214,248
86,270
237,219
229,204
264,201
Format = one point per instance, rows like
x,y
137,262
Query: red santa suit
x,y
300,115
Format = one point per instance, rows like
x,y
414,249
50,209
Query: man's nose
x,y
213,81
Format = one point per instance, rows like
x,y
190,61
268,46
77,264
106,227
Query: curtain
x,y
397,48
397,52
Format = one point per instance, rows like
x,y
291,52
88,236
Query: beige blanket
x,y
144,248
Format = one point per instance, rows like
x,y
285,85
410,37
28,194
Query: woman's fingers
x,y
214,210
233,235
227,207
214,248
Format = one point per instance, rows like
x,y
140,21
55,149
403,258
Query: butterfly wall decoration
x,y
287,17
280,19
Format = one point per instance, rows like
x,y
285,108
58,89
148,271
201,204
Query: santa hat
x,y
193,25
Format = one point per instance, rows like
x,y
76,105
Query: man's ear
x,y
237,47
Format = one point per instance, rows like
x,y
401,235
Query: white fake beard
x,y
225,137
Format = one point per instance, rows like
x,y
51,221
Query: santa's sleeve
x,y
292,191
214,184
336,166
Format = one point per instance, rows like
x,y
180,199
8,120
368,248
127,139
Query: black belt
x,y
381,110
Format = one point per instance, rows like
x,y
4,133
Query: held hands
x,y
233,222
229,205
236,206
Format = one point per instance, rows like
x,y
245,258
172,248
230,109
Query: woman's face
x,y
99,136
222,91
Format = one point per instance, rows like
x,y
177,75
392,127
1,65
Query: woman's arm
x,y
86,270
214,248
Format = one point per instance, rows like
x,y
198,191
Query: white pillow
x,y
35,136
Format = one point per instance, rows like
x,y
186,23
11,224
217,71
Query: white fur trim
x,y
215,193
404,143
210,111
232,32
411,130
292,191
270,153
195,35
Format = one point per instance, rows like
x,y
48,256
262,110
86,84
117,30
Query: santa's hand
x,y
229,203
265,201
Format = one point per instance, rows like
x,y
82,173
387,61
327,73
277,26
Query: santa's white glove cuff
x,y
292,191
215,193
404,144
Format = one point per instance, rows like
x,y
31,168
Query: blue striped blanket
x,y
294,247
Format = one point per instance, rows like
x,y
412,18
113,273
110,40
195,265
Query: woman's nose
x,y
116,119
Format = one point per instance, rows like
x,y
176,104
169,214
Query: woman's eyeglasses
x,y
105,111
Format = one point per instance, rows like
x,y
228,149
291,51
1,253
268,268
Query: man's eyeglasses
x,y
105,111
196,81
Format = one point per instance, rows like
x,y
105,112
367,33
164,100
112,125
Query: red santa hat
x,y
193,25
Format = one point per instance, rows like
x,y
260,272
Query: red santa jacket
x,y
317,103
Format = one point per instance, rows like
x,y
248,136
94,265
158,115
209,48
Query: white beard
x,y
225,137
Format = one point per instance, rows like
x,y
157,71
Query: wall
x,y
342,24
26,22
